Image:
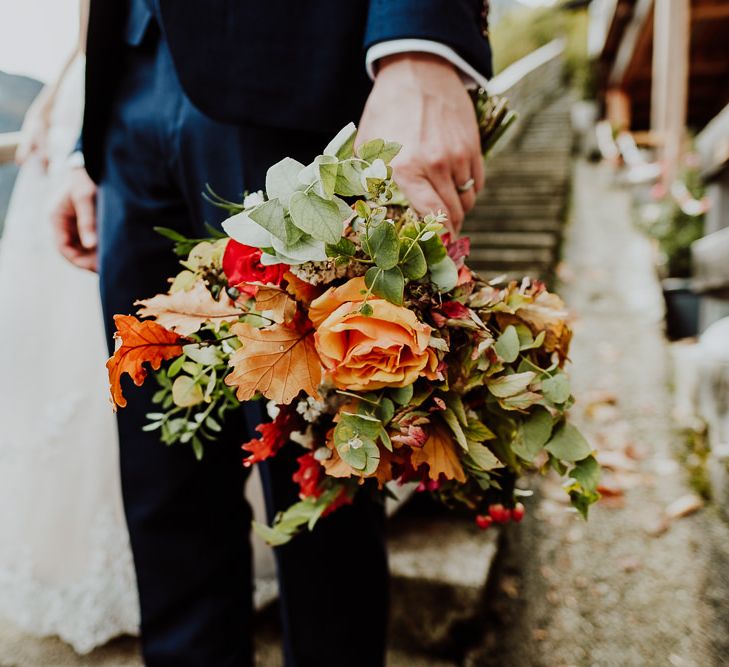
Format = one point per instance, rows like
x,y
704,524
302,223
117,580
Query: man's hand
x,y
74,220
419,101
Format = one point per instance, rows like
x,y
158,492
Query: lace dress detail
x,y
65,562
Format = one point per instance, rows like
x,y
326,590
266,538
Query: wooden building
x,y
663,71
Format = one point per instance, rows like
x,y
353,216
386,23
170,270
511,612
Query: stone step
x,y
499,258
545,210
440,565
534,189
513,239
476,224
535,272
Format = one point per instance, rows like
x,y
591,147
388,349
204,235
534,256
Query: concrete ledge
x,y
440,569
709,258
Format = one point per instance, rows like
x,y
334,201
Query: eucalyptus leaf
x,y
342,248
388,284
402,395
349,178
433,249
318,217
507,345
271,536
532,434
556,388
186,392
243,229
378,149
271,216
454,402
282,180
328,167
483,457
384,245
568,444
305,249
587,473
342,146
444,274
385,410
207,355
412,260
371,150
477,431
455,426
510,385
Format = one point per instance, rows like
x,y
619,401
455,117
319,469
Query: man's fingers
x,y
423,197
478,172
86,219
463,175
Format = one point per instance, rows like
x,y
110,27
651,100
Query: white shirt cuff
x,y
472,78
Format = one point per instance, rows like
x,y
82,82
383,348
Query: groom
x,y
181,93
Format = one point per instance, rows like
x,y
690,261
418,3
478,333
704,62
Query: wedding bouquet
x,y
379,353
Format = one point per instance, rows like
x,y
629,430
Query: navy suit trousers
x,y
188,520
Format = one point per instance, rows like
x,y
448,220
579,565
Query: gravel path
x,y
631,587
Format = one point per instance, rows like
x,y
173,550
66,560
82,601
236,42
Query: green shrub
x,y
522,31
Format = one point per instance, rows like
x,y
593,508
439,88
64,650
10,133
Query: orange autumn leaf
x,y
276,301
185,311
300,289
440,454
278,361
137,343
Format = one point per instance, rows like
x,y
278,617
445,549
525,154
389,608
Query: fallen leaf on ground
x,y
615,460
685,505
656,525
137,343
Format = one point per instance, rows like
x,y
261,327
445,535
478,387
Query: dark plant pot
x,y
682,308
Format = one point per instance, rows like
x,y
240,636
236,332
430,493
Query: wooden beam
x,y
669,95
631,36
710,12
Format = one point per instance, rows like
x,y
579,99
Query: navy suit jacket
x,y
294,64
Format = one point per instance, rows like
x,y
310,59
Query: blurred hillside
x,y
517,30
16,94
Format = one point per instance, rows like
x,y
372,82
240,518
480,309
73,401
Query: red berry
x,y
506,516
483,521
497,512
517,514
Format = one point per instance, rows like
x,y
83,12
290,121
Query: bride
x,y
65,563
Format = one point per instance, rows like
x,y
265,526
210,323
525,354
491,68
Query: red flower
x,y
459,249
308,476
455,310
274,435
242,264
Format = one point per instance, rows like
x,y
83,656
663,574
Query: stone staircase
x,y
516,226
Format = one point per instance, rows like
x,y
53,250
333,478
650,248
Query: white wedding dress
x,y
65,563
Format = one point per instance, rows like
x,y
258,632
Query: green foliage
x,y
193,398
522,31
674,229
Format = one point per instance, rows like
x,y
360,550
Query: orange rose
x,y
388,348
